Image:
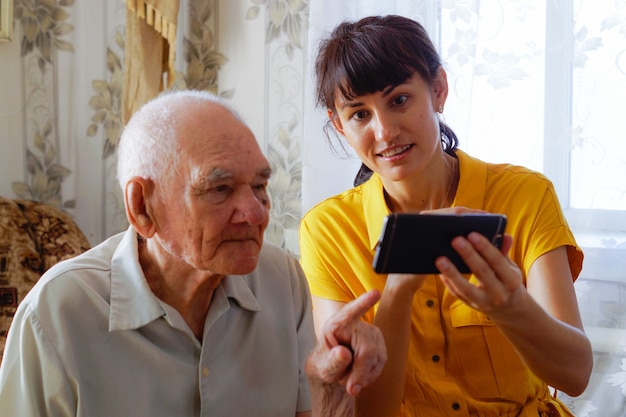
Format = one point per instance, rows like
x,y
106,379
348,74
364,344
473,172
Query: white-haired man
x,y
189,312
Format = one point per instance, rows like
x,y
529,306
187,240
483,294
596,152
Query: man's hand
x,y
349,352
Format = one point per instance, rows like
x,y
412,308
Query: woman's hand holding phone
x,y
411,242
500,279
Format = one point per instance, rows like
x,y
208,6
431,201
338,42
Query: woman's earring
x,y
441,108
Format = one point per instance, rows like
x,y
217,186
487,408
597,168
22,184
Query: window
x,y
540,84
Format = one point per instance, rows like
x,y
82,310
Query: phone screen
x,y
410,242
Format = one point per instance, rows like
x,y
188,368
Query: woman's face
x,y
395,132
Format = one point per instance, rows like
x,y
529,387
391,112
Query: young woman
x,y
491,343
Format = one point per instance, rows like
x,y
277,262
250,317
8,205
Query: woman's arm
x,y
348,356
561,353
384,396
323,309
393,318
541,320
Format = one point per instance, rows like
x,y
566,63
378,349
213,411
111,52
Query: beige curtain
x,y
149,51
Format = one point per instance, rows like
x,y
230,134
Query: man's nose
x,y
250,207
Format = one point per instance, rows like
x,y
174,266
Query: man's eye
x,y
220,189
218,194
260,189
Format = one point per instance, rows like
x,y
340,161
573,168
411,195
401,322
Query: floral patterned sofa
x,y
33,237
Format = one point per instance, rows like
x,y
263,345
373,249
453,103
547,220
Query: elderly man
x,y
188,312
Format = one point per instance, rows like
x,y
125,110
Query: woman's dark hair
x,y
366,56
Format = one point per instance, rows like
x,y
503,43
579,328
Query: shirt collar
x,y
375,208
472,186
134,305
470,193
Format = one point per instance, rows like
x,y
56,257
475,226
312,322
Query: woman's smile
x,y
396,151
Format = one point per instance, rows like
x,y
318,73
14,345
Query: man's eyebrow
x,y
265,173
217,174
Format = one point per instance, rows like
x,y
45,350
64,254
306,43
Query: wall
x,y
60,104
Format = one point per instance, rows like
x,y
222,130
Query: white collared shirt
x,y
91,339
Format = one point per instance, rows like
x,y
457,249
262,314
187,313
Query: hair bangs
x,y
360,64
363,73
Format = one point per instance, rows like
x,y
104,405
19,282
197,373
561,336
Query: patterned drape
x,y
149,52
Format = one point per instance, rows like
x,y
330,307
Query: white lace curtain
x,y
535,83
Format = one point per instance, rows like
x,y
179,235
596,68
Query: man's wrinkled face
x,y
214,212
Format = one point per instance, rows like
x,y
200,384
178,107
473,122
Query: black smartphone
x,y
410,242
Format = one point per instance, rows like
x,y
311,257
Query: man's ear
x,y
136,198
440,90
335,121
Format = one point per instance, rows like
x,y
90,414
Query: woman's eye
x,y
359,115
399,100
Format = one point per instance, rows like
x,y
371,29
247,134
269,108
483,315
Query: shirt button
x,y
456,406
430,303
436,358
205,372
